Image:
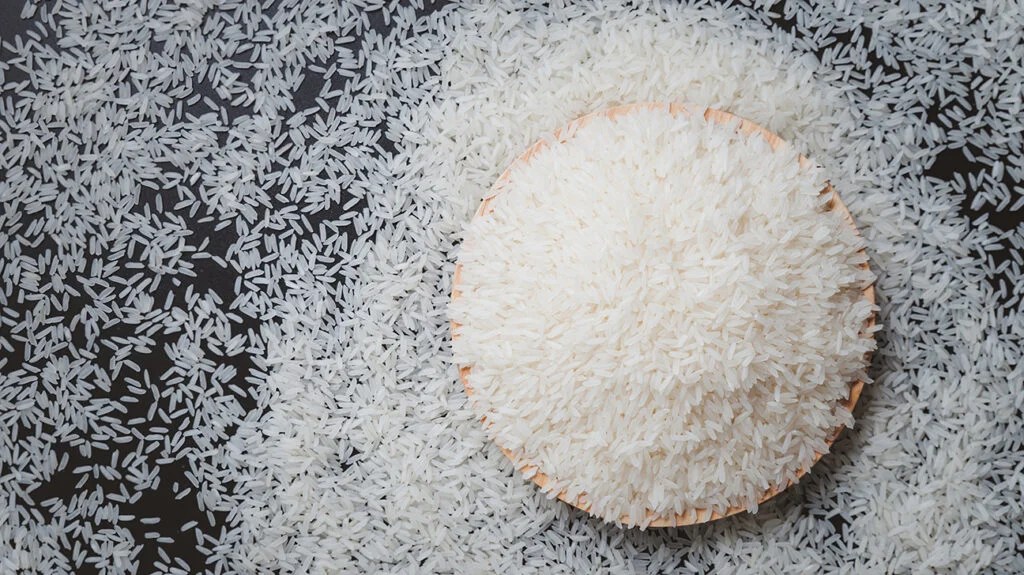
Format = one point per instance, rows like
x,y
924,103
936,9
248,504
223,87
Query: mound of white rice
x,y
663,314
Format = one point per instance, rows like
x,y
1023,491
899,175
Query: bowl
x,y
691,516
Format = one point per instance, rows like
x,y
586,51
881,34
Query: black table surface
x,y
175,511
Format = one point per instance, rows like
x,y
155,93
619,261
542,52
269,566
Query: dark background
x,y
162,501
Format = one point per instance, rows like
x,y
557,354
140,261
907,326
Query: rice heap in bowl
x,y
661,314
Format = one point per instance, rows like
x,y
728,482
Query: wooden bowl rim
x,y
691,516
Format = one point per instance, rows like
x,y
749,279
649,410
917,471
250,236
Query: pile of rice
x,y
661,313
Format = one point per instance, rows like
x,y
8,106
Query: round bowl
x,y
691,516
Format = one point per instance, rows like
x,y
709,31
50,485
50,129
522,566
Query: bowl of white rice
x,y
663,314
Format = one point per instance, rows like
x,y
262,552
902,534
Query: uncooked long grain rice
x,y
355,449
661,313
